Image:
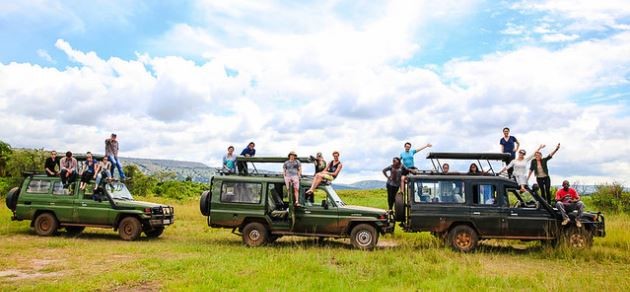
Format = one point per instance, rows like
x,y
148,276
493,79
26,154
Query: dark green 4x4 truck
x,y
49,206
257,207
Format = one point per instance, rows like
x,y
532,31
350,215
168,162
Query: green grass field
x,y
192,256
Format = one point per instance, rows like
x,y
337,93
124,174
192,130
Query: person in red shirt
x,y
568,199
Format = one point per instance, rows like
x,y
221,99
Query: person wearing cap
x,y
394,179
568,199
111,150
68,170
520,165
320,163
334,167
292,173
509,144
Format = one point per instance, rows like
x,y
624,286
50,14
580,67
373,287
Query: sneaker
x,y
565,221
578,223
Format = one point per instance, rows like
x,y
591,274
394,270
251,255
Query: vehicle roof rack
x,y
267,159
436,156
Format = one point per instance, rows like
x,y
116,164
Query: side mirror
x,y
325,204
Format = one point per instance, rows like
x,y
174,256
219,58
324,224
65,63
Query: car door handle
x,y
476,213
307,212
513,214
51,203
83,204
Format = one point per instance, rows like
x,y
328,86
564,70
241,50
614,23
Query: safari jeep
x,y
258,208
463,209
49,206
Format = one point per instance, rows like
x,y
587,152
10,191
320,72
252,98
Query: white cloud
x,y
44,55
559,37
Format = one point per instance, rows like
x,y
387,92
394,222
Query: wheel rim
x,y
254,235
577,240
128,229
45,224
364,238
463,240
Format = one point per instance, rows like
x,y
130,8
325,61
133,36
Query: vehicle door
x,y
319,216
64,201
90,211
436,203
488,211
39,194
527,219
237,201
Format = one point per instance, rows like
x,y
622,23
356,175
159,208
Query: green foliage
x,y
612,197
179,189
5,154
29,160
7,183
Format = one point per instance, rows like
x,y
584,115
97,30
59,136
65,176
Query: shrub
x,y
612,197
179,189
7,183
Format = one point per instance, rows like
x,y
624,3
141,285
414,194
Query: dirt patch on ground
x,y
387,244
36,269
141,286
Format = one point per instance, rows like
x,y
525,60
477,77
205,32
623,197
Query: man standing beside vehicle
x,y
111,150
567,199
507,146
292,173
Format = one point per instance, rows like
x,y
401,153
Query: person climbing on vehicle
x,y
249,151
538,166
394,179
568,199
229,161
292,173
334,167
507,143
88,171
520,168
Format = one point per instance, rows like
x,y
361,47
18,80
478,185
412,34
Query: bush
x,y
179,189
7,183
612,197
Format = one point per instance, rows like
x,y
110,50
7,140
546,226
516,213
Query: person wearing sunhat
x,y
292,173
320,162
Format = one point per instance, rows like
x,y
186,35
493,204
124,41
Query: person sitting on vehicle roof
x,y
320,163
292,173
68,171
520,165
229,161
568,199
445,168
249,151
88,171
52,164
103,169
334,167
474,170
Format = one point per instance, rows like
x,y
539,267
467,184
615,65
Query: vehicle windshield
x,y
118,191
333,195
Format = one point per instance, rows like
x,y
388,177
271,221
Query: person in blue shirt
x,y
509,145
249,151
229,161
407,156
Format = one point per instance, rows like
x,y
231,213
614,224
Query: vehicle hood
x,y
375,211
136,204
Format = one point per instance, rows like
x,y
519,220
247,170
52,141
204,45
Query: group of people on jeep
x,y
69,169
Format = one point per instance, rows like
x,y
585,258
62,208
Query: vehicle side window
x,y
58,189
439,192
240,192
484,194
38,186
276,195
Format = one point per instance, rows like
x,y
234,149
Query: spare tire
x,y
204,203
399,208
12,198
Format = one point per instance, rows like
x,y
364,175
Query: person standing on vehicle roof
x,y
111,150
52,164
394,179
407,157
539,168
568,199
229,161
507,143
249,151
520,168
292,173
334,167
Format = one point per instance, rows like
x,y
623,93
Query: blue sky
x,y
188,78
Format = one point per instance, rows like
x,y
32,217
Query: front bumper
x,y
162,216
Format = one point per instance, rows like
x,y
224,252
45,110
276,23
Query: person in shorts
x,y
334,167
292,173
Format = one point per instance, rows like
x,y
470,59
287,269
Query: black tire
x,y
577,238
74,230
463,238
154,233
255,234
204,203
399,208
45,224
364,237
129,228
12,198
